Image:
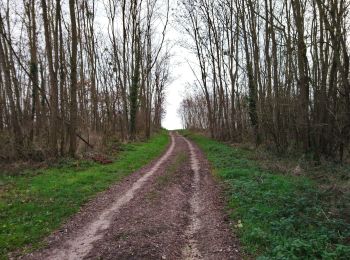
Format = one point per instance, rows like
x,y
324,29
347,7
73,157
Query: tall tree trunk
x,y
134,89
53,82
17,129
251,84
303,74
73,87
34,71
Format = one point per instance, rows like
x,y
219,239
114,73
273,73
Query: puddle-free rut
x,y
136,218
191,252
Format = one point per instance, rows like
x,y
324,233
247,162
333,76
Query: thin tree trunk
x,y
73,87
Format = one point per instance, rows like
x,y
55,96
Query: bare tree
x,y
288,66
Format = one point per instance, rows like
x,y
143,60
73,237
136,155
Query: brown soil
x,y
170,209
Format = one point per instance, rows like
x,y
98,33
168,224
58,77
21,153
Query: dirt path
x,y
170,209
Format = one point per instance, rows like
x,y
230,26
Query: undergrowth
x,y
277,216
35,202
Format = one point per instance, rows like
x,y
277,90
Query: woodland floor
x,y
170,209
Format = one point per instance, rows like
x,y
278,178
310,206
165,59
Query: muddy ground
x,y
169,209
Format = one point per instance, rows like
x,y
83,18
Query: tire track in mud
x,y
208,234
172,208
190,251
80,245
152,225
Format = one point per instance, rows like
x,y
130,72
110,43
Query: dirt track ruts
x,y
169,209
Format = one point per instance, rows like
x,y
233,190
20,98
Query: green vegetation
x,y
278,216
36,202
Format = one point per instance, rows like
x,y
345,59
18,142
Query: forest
x,y
75,73
94,162
271,72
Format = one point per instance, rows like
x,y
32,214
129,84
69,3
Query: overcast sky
x,y
180,72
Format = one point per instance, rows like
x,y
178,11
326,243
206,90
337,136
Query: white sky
x,y
180,72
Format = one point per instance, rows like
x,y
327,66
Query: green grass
x,y
35,203
276,216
